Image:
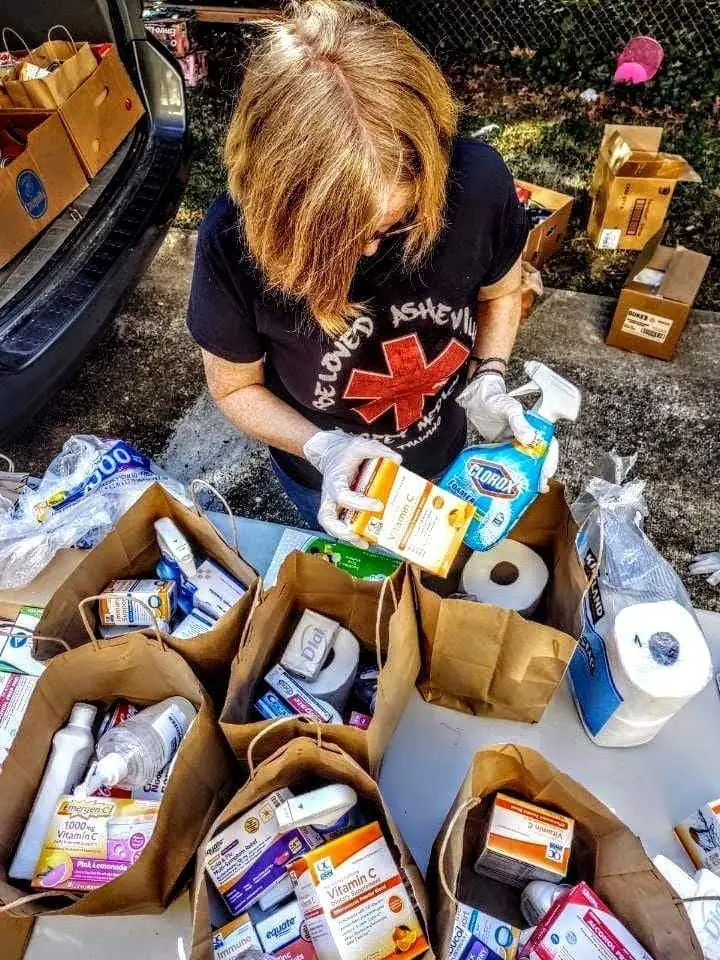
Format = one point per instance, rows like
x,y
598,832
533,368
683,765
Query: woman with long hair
x,y
363,265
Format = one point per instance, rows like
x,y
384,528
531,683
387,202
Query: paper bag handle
x,y
4,456
253,607
6,31
199,484
8,908
58,640
141,603
463,808
378,617
61,26
271,726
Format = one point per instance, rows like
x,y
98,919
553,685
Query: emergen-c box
x,y
525,842
580,927
252,853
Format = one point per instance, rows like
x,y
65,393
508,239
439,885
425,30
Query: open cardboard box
x,y
546,238
656,300
40,183
632,187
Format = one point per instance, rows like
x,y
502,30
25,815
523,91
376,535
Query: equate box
x,y
354,900
92,841
235,938
700,835
580,927
524,842
252,853
472,924
419,522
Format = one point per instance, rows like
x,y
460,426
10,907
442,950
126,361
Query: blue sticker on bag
x,y
32,194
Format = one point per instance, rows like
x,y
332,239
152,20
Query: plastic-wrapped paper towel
x,y
84,492
641,654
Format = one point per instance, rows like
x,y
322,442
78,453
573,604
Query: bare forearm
x,y
498,322
260,414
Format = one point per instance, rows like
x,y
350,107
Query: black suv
x,y
56,295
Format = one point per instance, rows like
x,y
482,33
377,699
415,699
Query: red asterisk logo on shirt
x,y
410,380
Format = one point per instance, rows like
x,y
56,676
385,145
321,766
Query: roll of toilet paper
x,y
618,732
509,575
335,680
659,659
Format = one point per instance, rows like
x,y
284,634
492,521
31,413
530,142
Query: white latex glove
x,y
492,411
707,563
338,456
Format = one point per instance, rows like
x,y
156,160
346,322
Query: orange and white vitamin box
x,y
524,842
354,900
420,522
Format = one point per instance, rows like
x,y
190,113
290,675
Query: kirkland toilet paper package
x,y
641,655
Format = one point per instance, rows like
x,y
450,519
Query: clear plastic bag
x,y
83,493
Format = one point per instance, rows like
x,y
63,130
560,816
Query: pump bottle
x,y
502,479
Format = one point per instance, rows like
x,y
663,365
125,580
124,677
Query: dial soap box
x,y
92,841
354,900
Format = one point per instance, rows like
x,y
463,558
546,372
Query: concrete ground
x,y
144,382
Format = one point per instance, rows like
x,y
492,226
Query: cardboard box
x,y
194,67
632,187
38,184
173,32
656,300
546,238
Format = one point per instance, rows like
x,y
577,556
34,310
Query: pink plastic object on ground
x,y
640,61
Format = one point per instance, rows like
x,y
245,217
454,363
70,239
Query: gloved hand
x,y
492,411
338,456
707,563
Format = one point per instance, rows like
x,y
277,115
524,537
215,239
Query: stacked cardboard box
x,y
175,32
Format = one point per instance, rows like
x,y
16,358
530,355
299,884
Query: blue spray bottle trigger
x,y
502,479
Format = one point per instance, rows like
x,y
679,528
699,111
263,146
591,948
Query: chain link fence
x,y
449,27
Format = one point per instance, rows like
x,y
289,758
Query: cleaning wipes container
x,y
641,655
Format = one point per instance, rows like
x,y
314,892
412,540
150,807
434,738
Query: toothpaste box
x,y
419,522
15,693
524,842
122,610
216,590
300,701
470,923
252,853
271,706
700,835
235,938
580,927
92,841
354,900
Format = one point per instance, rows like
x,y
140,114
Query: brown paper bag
x,y
77,64
606,854
481,659
302,764
369,610
130,550
143,671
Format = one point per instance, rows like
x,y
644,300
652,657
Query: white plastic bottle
x,y
72,747
537,898
136,751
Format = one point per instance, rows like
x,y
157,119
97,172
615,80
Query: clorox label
x,y
492,479
31,193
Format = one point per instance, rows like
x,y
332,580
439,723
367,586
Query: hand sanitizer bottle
x,y
136,751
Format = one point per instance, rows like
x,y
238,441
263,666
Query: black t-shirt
x,y
394,373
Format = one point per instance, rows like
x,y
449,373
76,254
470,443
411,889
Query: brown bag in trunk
x,y
144,671
606,854
77,64
302,764
130,550
481,659
382,617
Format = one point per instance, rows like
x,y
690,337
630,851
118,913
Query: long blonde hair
x,y
338,108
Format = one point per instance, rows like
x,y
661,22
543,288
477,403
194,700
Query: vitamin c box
x,y
354,900
524,842
420,522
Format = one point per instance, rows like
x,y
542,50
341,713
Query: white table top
x,y
650,787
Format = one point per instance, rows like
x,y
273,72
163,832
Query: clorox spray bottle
x,y
502,479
